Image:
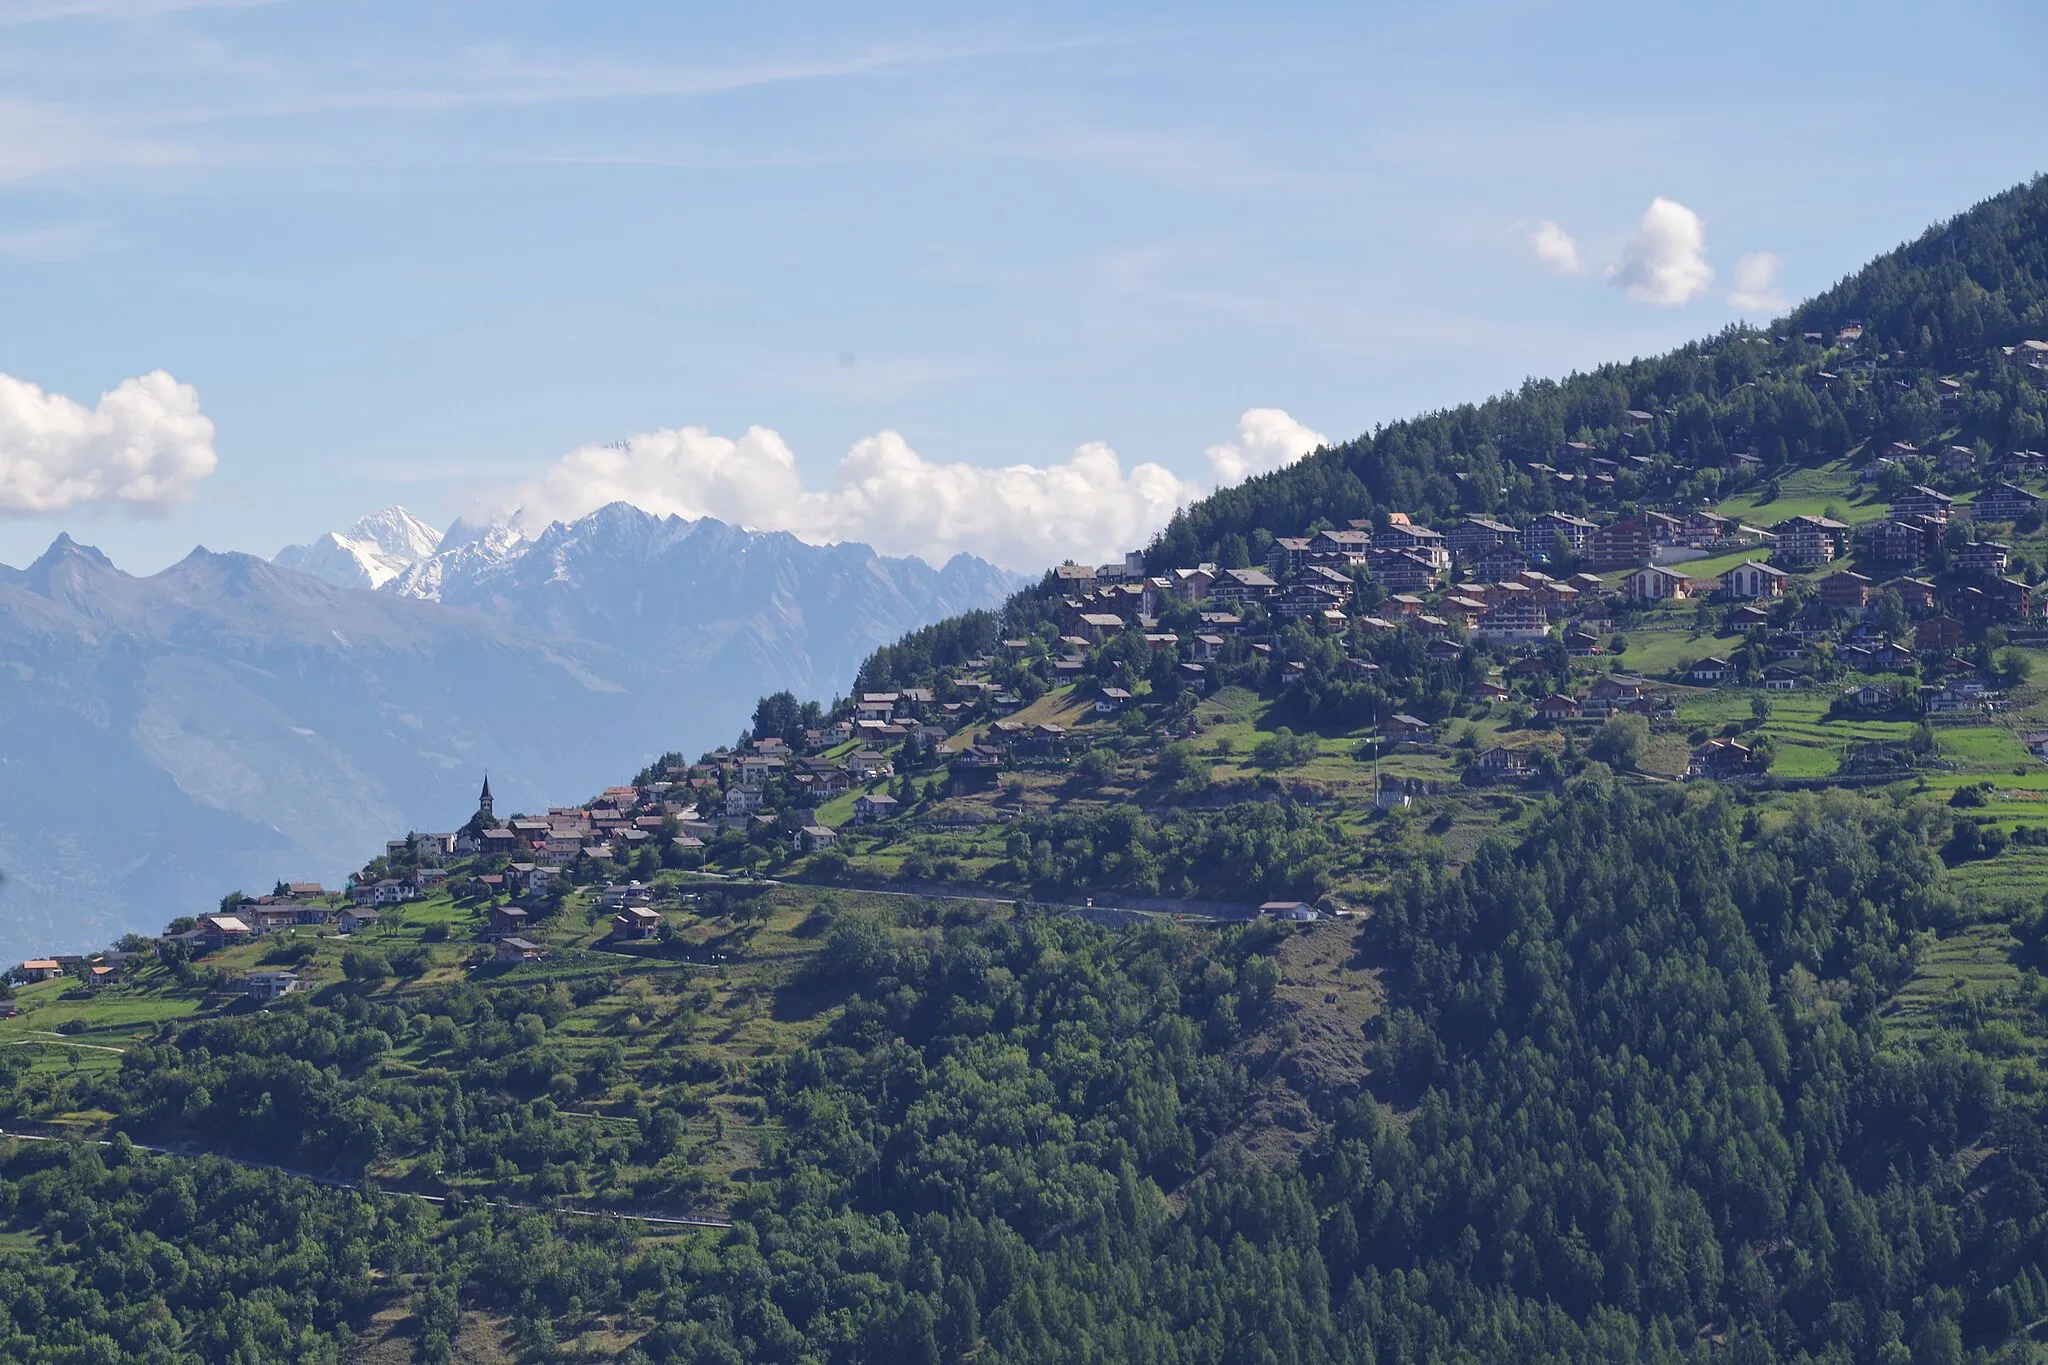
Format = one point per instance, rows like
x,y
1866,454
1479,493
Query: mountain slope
x,y
227,722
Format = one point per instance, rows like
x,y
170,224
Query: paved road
x,y
337,1182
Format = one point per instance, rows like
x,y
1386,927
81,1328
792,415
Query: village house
x,y
1937,633
2003,502
1985,558
1541,535
265,986
507,920
1558,707
39,969
1719,758
1708,671
1807,540
1753,579
1299,911
1502,764
1921,501
517,950
1844,591
813,838
355,919
636,924
1653,584
872,806
1400,726
1475,537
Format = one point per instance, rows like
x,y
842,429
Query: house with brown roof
x,y
636,924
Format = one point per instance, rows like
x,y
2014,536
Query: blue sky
x,y
420,253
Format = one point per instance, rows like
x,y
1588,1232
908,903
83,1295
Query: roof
x,y
520,944
40,964
227,924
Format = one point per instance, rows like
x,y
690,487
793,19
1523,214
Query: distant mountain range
x,y
229,722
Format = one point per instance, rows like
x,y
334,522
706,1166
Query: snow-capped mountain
x,y
369,554
465,554
728,613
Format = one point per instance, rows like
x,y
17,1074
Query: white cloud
x,y
1556,249
142,447
1023,517
1665,263
1267,439
1756,284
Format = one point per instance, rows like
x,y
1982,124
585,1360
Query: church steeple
x,y
483,800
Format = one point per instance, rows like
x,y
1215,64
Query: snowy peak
x,y
369,554
397,533
466,553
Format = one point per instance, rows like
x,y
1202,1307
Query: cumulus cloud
x,y
1756,284
1665,263
1267,439
142,447
1024,517
1556,249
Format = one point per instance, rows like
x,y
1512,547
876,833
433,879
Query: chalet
x,y
1512,621
1474,537
1071,575
1557,707
1917,593
1753,579
867,765
1921,501
386,891
813,838
1403,726
1937,633
2013,597
355,918
39,969
304,891
1582,644
1611,692
1872,697
507,920
872,806
1110,700
1398,793
1718,758
497,843
1708,671
518,950
1633,540
1541,535
1653,584
1206,648
266,986
1416,540
1243,585
1402,571
101,974
1287,556
1985,558
219,931
1098,626
1298,911
1499,563
1845,591
1502,764
1781,678
2003,502
1809,540
636,924
1193,584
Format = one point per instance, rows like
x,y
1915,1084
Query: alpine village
x,y
1562,878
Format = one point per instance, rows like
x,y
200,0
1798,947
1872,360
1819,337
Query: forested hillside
x,y
947,1024
1940,306
1631,1097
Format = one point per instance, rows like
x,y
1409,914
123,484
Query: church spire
x,y
483,800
